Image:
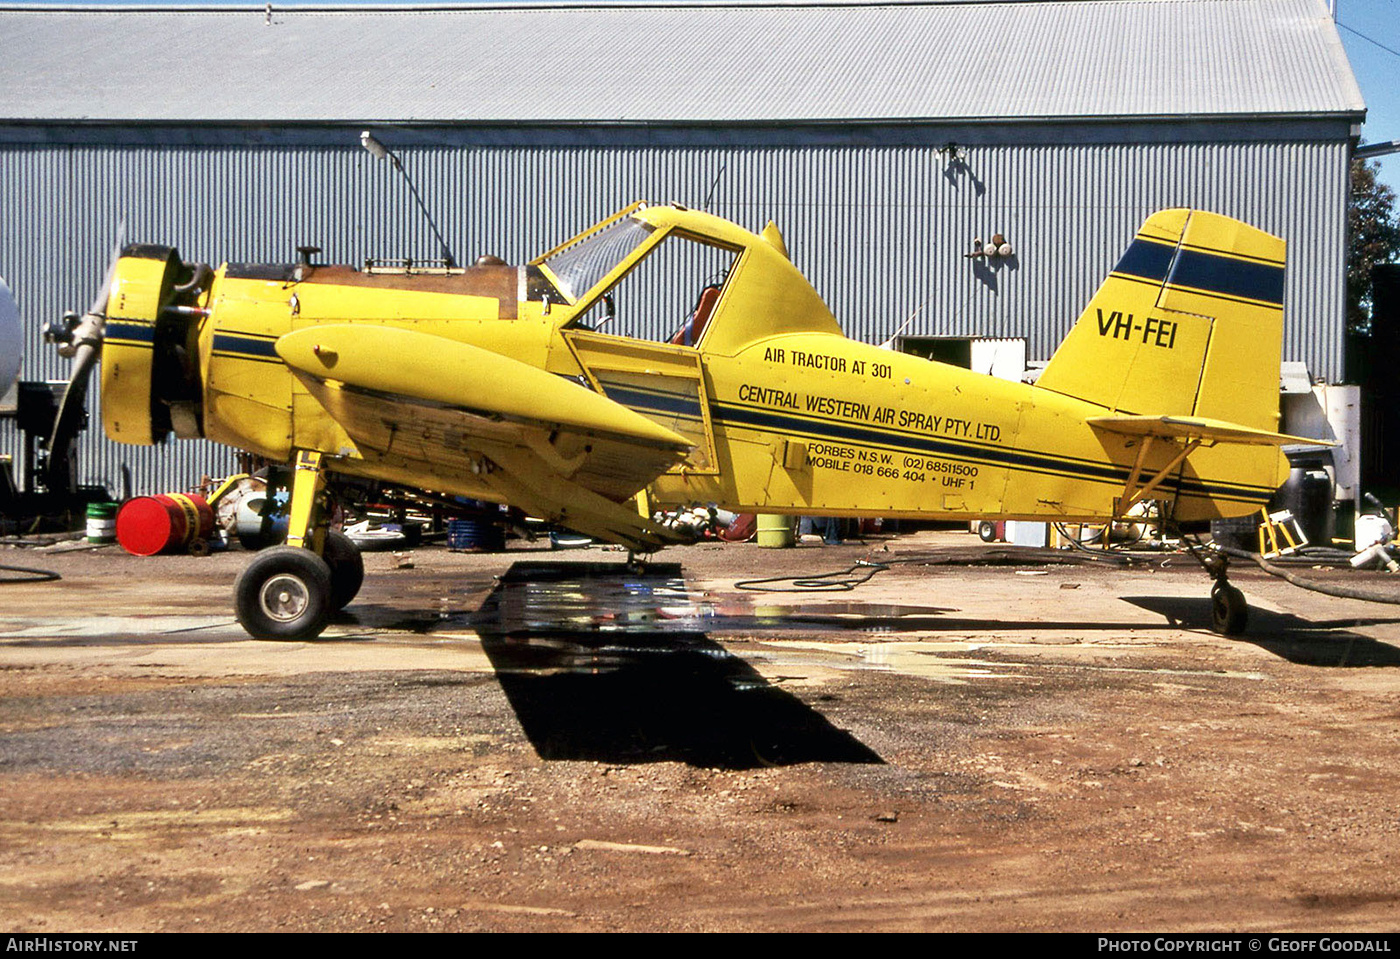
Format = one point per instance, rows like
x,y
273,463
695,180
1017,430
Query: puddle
x,y
21,632
948,662
593,618
607,598
924,660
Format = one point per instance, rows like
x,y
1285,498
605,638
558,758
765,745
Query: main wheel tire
x,y
284,593
1229,613
347,568
987,531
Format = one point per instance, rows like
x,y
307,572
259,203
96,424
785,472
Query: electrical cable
x,y
1370,40
29,575
845,580
817,583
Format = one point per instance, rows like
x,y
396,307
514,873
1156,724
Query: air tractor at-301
x,y
527,385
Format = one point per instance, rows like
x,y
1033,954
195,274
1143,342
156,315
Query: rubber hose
x,y
30,575
1330,589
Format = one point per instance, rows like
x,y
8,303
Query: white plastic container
x,y
1371,530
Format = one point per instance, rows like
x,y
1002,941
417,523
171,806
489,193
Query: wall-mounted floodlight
x,y
380,152
377,149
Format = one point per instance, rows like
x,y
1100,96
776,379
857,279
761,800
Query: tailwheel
x,y
1229,613
284,593
347,568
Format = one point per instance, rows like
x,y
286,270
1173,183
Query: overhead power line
x,y
1390,50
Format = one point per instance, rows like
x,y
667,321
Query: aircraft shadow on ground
x,y
1302,641
598,666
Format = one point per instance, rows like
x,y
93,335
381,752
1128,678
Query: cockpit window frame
x,y
643,252
626,234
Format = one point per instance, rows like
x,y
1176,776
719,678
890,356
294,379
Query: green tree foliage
x,y
1374,236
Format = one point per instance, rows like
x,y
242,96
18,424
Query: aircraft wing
x,y
1206,430
428,409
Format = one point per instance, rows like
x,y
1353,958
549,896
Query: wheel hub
x,y
284,597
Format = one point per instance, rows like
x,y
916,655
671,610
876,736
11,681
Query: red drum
x,y
167,523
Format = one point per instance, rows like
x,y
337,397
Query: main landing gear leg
x,y
289,592
1229,613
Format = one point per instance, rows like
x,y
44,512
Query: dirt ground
x,y
545,741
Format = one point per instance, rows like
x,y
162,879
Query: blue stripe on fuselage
x,y
249,346
789,424
130,332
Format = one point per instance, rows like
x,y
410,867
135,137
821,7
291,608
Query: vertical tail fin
x,y
1190,322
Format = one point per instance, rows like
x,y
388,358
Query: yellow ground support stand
x,y
1280,534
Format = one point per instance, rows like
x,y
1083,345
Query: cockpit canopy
x,y
671,274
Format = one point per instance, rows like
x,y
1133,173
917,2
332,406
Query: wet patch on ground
x,y
489,743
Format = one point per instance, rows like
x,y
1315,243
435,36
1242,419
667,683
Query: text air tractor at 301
x,y
521,385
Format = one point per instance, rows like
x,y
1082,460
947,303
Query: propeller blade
x,y
99,302
71,409
84,346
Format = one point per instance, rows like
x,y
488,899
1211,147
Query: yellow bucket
x,y
774,532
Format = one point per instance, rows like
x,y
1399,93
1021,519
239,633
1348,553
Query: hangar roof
x,y
675,63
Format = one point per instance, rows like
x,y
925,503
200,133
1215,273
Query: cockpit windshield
x,y
579,268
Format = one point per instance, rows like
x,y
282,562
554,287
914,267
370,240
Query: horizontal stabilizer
x,y
433,369
1198,428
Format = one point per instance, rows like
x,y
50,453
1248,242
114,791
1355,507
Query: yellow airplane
x,y
521,385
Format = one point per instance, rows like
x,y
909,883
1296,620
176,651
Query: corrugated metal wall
x,y
880,231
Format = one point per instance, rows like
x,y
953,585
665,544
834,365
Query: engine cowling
x,y
150,357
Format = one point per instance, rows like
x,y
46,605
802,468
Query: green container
x,y
775,532
102,523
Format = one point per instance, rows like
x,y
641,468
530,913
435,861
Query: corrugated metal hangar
x,y
881,138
